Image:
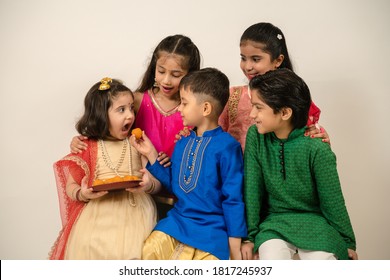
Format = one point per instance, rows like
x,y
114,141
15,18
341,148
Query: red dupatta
x,y
314,114
79,165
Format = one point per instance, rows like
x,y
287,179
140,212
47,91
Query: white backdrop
x,y
52,51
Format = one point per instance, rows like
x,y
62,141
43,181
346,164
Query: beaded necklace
x,y
107,159
109,164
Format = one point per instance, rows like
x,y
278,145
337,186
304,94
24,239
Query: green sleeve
x,y
331,198
253,182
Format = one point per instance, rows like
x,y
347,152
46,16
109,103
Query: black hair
x,y
272,39
209,82
283,88
175,44
95,123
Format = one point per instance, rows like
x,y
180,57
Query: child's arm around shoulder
x,y
78,144
317,131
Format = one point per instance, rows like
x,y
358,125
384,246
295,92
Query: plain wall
x,y
52,51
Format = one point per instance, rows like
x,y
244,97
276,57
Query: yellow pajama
x,y
161,246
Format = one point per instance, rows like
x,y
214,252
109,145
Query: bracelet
x,y
152,187
80,197
75,190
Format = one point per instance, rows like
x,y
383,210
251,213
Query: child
x,y
157,100
206,176
292,191
263,48
104,225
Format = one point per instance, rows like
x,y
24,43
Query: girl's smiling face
x,y
255,61
121,115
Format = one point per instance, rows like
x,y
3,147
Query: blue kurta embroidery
x,y
191,162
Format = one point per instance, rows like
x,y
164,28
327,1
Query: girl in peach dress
x,y
262,48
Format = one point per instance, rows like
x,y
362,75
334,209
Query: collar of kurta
x,y
298,132
208,133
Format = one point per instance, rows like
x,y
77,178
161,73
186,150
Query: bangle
x,y
80,197
75,193
152,187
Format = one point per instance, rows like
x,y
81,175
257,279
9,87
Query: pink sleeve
x,y
314,114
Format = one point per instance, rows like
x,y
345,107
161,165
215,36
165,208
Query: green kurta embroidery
x,y
292,192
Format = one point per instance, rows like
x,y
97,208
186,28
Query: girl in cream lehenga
x,y
104,224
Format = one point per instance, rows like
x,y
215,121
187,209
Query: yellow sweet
x,y
115,179
137,132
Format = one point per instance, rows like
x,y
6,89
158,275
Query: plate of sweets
x,y
116,183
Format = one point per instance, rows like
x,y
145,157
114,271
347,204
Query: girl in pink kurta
x,y
157,99
263,48
159,125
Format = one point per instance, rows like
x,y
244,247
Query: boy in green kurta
x,y
293,196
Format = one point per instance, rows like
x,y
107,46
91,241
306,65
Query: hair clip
x,y
279,36
105,83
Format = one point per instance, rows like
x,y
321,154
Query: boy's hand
x,y
247,250
145,147
352,254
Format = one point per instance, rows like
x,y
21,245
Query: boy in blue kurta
x,y
206,176
293,196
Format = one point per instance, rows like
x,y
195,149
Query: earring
x,y
155,83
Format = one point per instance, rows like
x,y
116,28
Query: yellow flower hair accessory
x,y
105,83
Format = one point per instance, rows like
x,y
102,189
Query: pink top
x,y
161,127
235,117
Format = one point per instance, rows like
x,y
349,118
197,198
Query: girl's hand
x,y
145,147
144,185
182,133
77,145
352,254
247,250
87,193
164,159
317,131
